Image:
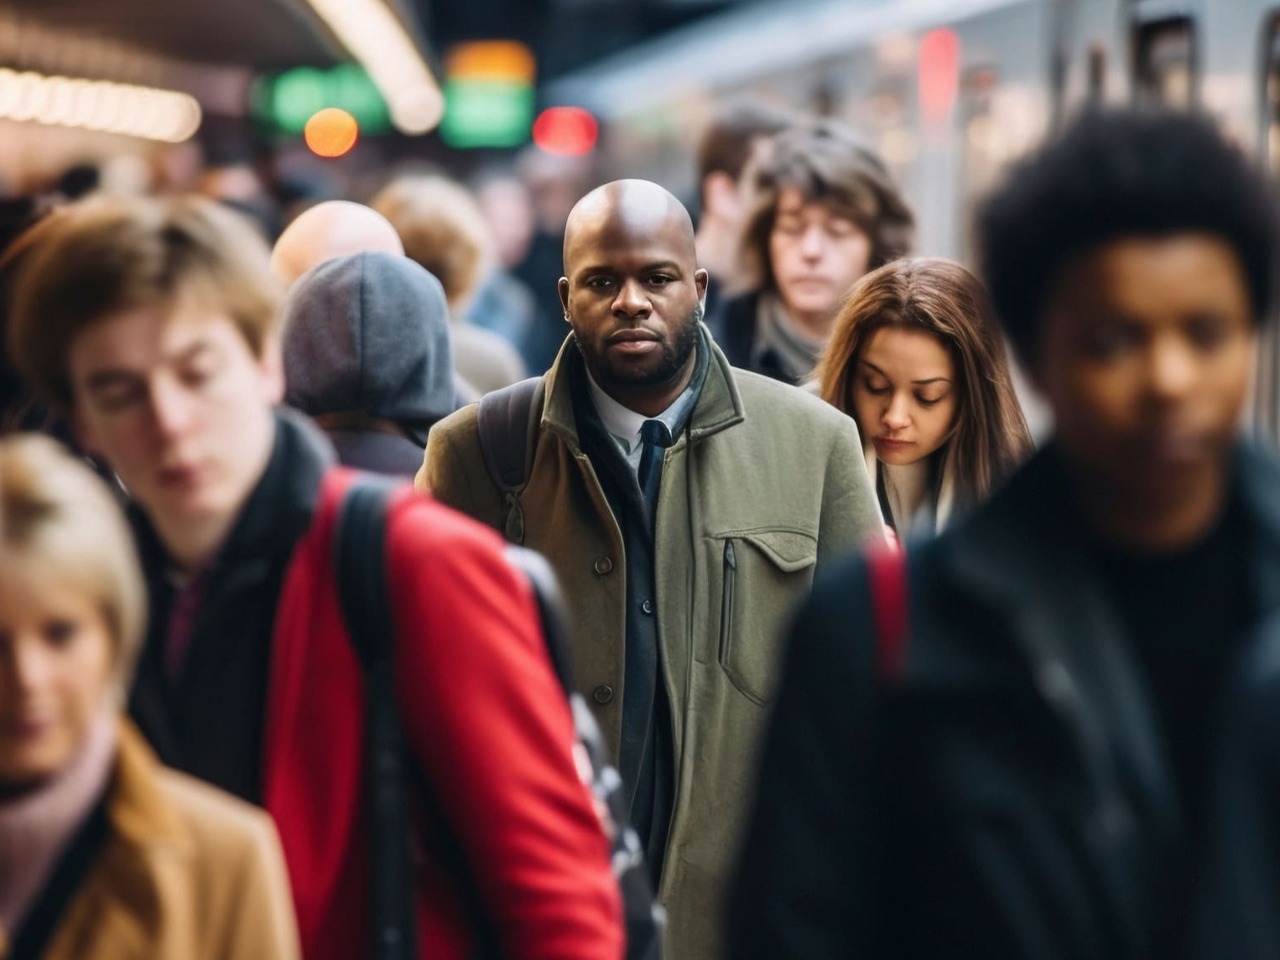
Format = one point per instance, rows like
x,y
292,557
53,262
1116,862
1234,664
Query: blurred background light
x,y
144,112
286,101
380,43
331,132
489,94
566,131
939,73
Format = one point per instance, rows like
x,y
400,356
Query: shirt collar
x,y
624,423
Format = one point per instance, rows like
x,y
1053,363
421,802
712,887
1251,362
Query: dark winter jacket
x,y
1012,794
367,352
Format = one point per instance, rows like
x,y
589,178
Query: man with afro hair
x,y
1009,745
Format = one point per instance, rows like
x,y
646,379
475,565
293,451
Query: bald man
x,y
335,228
685,507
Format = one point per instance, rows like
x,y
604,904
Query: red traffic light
x,y
566,131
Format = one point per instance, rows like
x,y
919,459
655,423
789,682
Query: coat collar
x,y
137,810
718,406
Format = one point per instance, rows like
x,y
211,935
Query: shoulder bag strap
x,y
360,566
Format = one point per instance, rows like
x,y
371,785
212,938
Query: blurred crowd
x,y
527,567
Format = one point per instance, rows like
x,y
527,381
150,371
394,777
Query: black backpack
x,y
359,560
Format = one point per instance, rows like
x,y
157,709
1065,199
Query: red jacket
x,y
487,725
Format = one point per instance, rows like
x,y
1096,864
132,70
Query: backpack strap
x,y
505,421
887,572
360,568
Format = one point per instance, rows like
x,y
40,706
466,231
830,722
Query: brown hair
x,y
944,299
829,164
55,511
731,135
442,229
102,257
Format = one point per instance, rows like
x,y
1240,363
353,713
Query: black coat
x,y
733,327
1011,794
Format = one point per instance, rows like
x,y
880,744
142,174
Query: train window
x,y
1271,95
1096,79
1164,62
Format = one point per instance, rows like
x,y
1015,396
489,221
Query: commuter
x,y
443,230
1031,775
367,356
334,228
726,146
502,302
917,360
824,211
339,228
679,566
154,323
103,852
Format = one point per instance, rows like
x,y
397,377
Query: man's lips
x,y
633,341
179,477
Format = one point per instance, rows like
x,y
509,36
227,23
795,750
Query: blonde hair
x,y
442,229
55,509
105,256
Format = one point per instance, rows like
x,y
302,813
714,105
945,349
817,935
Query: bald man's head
x,y
329,230
640,205
632,292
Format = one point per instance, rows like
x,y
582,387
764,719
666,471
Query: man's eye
x,y
197,376
660,279
599,283
1206,333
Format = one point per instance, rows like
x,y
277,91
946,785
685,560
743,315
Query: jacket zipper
x,y
726,599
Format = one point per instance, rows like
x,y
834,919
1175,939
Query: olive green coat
x,y
764,485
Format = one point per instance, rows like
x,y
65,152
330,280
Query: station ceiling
x,y
258,34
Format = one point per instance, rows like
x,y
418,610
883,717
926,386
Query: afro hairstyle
x,y
1112,175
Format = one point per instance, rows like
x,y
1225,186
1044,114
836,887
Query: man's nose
x,y
632,300
1171,369
171,407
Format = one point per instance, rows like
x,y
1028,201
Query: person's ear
x,y
700,280
271,363
562,288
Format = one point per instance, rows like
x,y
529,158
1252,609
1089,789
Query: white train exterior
x,y
949,90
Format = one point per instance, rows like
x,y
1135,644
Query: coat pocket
x,y
765,574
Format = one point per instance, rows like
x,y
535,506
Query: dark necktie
x,y
655,436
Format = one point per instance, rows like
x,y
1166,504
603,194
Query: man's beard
x,y
675,354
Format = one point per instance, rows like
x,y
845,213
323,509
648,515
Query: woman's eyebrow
x,y
918,383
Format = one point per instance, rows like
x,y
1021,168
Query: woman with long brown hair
x,y
916,359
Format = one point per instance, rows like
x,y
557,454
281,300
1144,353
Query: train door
x,y
1267,389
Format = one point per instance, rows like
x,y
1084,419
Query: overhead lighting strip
x,y
99,105
379,41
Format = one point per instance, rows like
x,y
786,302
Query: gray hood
x,y
369,333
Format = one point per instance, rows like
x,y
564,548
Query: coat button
x,y
602,694
604,565
647,607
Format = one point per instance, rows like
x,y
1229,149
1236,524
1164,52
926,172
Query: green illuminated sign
x,y
288,100
486,113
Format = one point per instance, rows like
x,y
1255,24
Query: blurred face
x,y
904,396
816,257
180,408
1145,357
632,296
56,661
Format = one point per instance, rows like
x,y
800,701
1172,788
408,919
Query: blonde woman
x,y
104,853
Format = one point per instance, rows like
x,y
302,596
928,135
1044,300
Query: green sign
x,y
486,113
288,100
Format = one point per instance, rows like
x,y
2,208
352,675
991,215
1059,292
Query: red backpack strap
x,y
887,571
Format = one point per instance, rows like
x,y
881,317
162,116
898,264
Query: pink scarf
x,y
36,826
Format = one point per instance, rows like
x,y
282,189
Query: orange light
x,y
565,131
491,60
331,132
